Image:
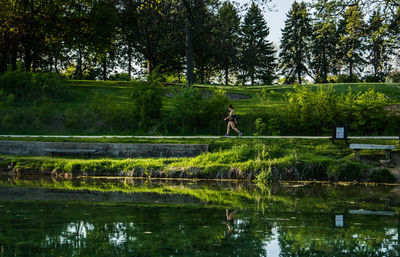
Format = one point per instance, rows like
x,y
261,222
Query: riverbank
x,y
260,159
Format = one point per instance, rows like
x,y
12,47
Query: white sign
x,y
339,221
340,132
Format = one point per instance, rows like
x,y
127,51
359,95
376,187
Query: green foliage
x,y
274,126
311,110
193,112
314,111
187,108
257,55
346,171
382,175
146,102
265,175
260,127
120,77
344,78
395,77
28,86
373,78
296,37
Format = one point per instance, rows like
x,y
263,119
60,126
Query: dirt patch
x,y
234,96
207,94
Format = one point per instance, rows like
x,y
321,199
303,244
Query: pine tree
x,y
352,47
228,27
257,53
379,45
324,44
295,42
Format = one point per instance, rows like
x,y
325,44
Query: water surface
x,y
127,217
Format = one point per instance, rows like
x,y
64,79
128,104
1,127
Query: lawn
x,y
63,116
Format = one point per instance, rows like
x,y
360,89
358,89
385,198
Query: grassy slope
x,y
289,159
83,93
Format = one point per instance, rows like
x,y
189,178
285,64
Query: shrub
x,y
374,78
344,78
260,127
214,109
187,109
28,86
274,126
313,112
120,77
394,77
146,102
382,175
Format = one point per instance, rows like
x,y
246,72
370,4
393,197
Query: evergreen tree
x,y
324,43
204,41
257,53
296,37
228,29
352,47
379,45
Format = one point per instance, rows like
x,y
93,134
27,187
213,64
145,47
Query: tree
x,y
257,53
159,36
204,39
228,31
352,29
324,42
296,38
379,45
103,24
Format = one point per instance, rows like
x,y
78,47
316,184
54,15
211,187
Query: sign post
x,y
339,132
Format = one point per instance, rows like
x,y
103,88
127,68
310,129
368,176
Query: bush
x,y
187,111
394,77
28,86
260,127
373,78
313,112
344,78
120,77
382,175
146,102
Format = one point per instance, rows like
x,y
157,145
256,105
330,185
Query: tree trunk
x,y
189,50
27,59
299,77
252,77
129,62
226,76
324,68
56,64
13,59
351,69
105,68
79,66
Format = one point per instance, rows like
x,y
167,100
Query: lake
x,y
136,217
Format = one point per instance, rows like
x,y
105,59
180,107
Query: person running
x,y
231,121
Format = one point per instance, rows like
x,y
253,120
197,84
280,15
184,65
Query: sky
x,y
276,19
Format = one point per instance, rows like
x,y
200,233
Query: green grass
x,y
287,159
83,93
231,194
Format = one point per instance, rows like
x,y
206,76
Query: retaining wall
x,y
32,148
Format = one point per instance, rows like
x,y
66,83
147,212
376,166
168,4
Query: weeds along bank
x,y
268,160
42,103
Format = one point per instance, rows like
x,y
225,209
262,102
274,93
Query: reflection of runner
x,y
230,221
231,121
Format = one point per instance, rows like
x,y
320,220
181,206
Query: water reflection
x,y
119,218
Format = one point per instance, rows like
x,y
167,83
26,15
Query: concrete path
x,y
201,137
